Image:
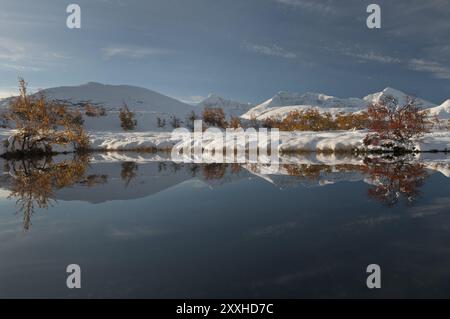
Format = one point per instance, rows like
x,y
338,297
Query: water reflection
x,y
396,179
33,182
37,183
129,172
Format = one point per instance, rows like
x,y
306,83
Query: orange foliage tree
x,y
235,122
127,118
41,124
214,117
303,120
388,120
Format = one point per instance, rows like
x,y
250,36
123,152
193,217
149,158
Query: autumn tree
x,y
175,122
94,111
388,120
161,122
349,121
214,117
303,120
41,124
127,118
235,122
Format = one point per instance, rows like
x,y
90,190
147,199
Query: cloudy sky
x,y
242,49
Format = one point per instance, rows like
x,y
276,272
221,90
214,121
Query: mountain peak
x,y
391,91
446,104
233,108
400,96
93,84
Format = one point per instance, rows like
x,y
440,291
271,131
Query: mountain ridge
x,y
149,104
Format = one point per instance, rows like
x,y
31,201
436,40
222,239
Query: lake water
x,y
150,228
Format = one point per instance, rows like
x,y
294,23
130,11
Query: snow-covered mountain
x,y
146,104
230,107
400,96
284,102
113,96
442,111
149,105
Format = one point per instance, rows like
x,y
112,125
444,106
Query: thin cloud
x,y
132,52
273,50
310,5
361,54
438,70
20,57
19,67
376,57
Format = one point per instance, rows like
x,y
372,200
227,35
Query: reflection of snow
x,y
4,193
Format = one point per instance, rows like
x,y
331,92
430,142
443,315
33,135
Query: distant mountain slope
x,y
442,111
230,107
148,105
137,98
283,99
399,95
283,102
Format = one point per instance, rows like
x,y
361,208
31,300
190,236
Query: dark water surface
x,y
163,230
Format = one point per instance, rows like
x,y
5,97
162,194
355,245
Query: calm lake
x,y
142,226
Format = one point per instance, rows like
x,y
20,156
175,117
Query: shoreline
x,y
289,142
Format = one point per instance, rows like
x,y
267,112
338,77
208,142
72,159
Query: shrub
x,y
214,117
127,120
41,124
235,122
77,118
348,121
303,120
94,111
175,122
387,120
161,122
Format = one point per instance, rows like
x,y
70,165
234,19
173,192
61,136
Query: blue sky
x,y
242,49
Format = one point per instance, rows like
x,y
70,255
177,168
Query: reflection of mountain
x,y
122,177
150,178
326,176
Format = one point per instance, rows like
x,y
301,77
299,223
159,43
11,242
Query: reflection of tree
x,y
129,172
214,170
194,169
307,171
394,180
33,182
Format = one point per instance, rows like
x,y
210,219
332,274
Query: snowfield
x,y
335,141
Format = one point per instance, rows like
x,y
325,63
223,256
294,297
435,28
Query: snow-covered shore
x,y
334,141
